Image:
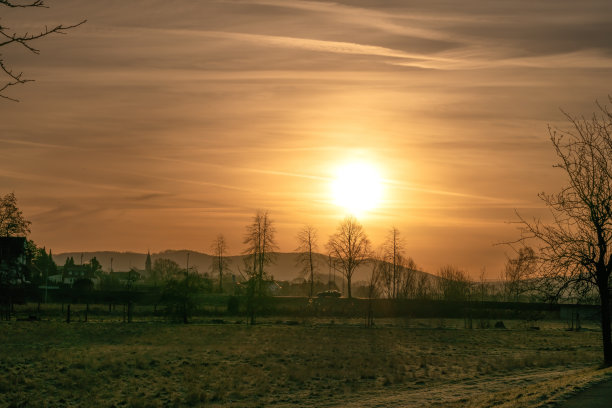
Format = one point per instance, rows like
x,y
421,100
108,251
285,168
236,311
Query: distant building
x,y
70,273
128,278
69,279
13,259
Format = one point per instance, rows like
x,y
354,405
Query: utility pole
x,y
111,265
46,279
187,273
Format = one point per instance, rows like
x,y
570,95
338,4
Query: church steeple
x,y
148,268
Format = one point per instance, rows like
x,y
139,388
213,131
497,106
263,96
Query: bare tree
x,y
164,269
373,287
398,272
483,289
518,273
261,244
453,283
406,278
350,247
392,252
219,249
307,244
483,286
386,281
9,37
180,293
575,248
12,222
422,288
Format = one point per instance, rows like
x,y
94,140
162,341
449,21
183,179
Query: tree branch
x,y
7,38
35,3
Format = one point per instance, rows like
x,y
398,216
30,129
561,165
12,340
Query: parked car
x,y
329,293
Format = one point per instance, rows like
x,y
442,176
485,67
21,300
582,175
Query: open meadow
x,y
293,363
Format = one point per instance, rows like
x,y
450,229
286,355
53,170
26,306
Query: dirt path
x,y
597,396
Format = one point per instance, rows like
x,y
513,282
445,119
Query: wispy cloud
x,y
339,47
66,181
165,124
41,145
457,59
484,59
411,23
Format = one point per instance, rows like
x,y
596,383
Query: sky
x,y
158,125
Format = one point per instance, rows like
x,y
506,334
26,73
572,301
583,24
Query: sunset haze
x,y
158,125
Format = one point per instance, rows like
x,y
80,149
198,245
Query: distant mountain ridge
x,y
284,268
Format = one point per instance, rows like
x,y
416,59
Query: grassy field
x,y
312,363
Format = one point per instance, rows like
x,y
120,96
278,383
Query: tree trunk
x,y
604,294
220,264
348,284
311,271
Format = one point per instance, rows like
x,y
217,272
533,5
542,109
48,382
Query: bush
x,y
180,294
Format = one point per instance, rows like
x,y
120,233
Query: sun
x,y
357,187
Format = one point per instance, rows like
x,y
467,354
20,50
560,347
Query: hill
x,y
285,266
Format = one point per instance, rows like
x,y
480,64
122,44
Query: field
x,y
303,363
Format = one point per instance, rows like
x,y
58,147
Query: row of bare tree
x,y
394,275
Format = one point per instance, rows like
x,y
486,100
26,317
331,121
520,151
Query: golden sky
x,y
158,125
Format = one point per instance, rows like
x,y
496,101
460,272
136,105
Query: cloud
x,y
313,44
163,123
404,24
39,145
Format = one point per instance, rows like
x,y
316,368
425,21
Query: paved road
x,y
598,396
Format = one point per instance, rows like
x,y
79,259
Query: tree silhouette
x,y
373,288
350,247
575,248
261,243
9,37
453,283
397,272
180,293
518,272
220,264
307,244
164,269
43,265
12,222
392,252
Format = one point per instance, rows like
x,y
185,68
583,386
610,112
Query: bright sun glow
x,y
357,187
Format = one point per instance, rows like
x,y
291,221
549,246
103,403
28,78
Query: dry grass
x,y
542,394
153,364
